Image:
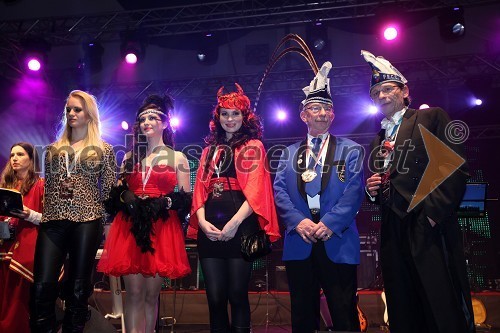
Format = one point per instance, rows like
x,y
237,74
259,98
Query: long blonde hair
x,y
93,137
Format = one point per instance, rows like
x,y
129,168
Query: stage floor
x,y
191,310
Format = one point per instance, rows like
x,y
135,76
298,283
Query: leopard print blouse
x,y
79,195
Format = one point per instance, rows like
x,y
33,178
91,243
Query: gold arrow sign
x,y
443,162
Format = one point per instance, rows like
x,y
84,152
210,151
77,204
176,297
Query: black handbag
x,y
256,245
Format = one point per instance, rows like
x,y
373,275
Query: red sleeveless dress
x,y
122,256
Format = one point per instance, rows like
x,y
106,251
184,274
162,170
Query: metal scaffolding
x,y
209,16
447,72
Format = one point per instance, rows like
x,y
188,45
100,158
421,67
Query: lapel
x,y
405,132
328,162
300,162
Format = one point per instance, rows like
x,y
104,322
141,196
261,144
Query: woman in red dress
x,y
17,255
146,242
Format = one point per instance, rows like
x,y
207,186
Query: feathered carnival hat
x,y
318,90
161,104
234,100
382,70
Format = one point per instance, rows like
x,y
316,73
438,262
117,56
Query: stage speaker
x,y
367,268
98,324
281,279
193,281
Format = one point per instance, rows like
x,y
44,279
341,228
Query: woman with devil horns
x,y
232,197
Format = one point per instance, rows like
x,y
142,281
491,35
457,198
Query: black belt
x,y
315,214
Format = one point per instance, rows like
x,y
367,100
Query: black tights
x,y
56,240
226,279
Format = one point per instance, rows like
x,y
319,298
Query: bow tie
x,y
385,123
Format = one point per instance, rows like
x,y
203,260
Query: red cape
x,y
252,173
21,254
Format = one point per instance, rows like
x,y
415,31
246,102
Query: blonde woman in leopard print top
x,y
79,170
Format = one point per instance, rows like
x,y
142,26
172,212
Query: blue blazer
x,y
342,190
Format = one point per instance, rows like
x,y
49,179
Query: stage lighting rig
x,y
452,23
34,53
133,46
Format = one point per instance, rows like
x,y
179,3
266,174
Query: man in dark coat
x,y
421,252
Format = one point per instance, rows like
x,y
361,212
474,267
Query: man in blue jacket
x,y
318,191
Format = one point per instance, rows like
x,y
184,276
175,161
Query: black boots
x,y
42,307
77,313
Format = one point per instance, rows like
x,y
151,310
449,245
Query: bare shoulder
x,y
180,158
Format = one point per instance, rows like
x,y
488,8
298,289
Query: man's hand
x,y
373,184
304,229
321,231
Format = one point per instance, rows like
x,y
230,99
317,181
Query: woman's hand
x,y
22,214
229,230
210,230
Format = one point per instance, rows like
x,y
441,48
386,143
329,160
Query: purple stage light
x,y
175,122
281,115
478,102
390,33
423,106
372,109
124,125
131,58
34,64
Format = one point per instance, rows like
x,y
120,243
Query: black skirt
x,y
219,211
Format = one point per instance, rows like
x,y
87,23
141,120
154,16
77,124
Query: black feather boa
x,y
147,212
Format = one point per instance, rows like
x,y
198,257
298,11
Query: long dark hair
x,y
9,177
251,127
164,104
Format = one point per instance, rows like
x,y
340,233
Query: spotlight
x,y
208,55
390,33
34,53
124,125
201,56
478,102
92,54
390,20
452,23
317,36
131,58
208,50
423,106
175,122
34,64
133,46
281,115
372,109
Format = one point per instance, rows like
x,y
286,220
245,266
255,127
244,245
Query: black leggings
x,y
56,240
226,279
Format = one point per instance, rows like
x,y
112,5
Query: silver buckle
x,y
314,211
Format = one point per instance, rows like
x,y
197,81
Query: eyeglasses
x,y
76,108
386,90
316,108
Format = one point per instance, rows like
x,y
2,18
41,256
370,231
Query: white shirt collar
x,y
323,137
396,118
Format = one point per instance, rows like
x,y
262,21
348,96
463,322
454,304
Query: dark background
x,y
441,71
